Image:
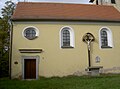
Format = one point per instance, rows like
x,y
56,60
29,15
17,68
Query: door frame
x,y
37,65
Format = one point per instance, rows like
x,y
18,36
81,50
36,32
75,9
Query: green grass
x,y
70,82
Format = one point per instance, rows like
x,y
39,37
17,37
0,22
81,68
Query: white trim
x,y
72,38
37,64
36,29
109,36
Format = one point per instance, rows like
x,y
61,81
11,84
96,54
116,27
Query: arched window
x,y
106,38
67,37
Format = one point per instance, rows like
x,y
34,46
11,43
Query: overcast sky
x,y
62,1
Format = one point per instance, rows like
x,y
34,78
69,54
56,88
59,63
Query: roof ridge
x,y
65,3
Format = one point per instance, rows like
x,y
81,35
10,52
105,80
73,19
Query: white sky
x,y
62,1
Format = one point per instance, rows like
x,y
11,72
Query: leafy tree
x,y
3,55
3,34
7,12
5,29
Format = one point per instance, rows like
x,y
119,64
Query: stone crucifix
x,y
88,38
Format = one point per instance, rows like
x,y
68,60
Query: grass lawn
x,y
70,82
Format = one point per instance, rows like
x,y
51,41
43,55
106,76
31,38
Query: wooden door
x,y
30,68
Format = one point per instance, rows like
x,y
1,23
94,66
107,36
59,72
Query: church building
x,y
61,39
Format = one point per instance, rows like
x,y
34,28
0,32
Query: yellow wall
x,y
55,61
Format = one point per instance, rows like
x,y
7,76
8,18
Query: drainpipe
x,y
10,50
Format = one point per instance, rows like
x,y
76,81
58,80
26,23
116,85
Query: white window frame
x,y
109,37
36,30
72,39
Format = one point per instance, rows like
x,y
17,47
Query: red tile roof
x,y
60,11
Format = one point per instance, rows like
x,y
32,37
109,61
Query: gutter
x,y
66,20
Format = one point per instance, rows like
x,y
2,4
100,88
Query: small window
x,y
30,33
113,1
67,37
106,38
96,2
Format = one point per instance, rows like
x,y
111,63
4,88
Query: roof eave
x,y
83,20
